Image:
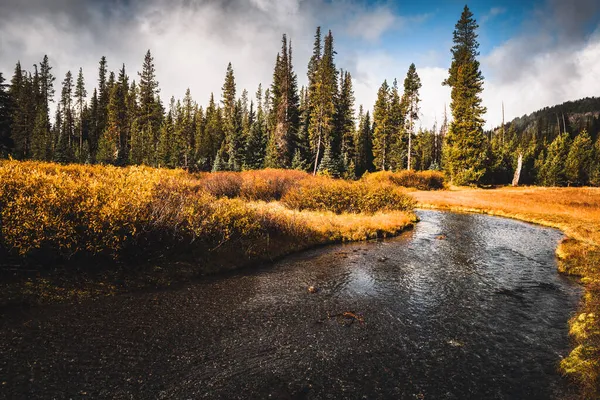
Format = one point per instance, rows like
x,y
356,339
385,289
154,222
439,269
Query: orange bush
x,y
422,180
340,196
222,184
269,184
49,210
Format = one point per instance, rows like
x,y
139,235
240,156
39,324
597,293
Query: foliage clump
x,y
346,197
50,211
421,180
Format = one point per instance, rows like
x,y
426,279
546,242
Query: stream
x,y
463,307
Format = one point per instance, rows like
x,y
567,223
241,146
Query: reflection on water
x,y
465,306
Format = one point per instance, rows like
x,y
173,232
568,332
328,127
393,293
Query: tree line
x,y
314,128
124,122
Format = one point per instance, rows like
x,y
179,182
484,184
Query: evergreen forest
x,y
317,128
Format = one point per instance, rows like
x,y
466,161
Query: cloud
x,y
494,12
373,24
191,41
555,58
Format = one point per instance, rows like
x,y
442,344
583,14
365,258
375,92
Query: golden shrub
x,y
49,210
422,180
69,210
340,196
269,184
222,184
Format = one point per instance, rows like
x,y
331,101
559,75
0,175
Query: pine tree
x,y
199,163
302,138
46,83
345,125
5,119
94,131
298,162
314,62
285,119
228,93
595,175
465,153
116,135
20,94
553,172
236,140
233,156
579,163
46,89
165,143
307,134
382,138
40,136
101,114
133,113
150,117
398,140
410,100
330,164
322,102
80,95
256,142
213,134
364,145
184,132
64,152
219,163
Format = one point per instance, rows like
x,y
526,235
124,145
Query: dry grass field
x,y
79,220
575,211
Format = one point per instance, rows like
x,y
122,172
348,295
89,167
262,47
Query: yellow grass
x,y
422,180
575,211
52,214
345,227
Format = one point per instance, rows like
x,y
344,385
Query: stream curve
x,y
464,306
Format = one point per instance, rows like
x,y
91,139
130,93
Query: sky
x,y
533,53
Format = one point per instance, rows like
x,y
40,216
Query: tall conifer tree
x,y
80,95
364,144
410,100
322,102
5,118
466,149
382,129
150,109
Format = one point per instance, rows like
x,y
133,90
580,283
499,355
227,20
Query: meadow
x,y
576,212
77,231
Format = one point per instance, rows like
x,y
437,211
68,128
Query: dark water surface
x,y
479,313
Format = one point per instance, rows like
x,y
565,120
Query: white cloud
x,y
193,40
494,12
548,78
553,60
371,25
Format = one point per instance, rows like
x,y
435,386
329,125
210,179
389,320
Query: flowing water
x,y
463,307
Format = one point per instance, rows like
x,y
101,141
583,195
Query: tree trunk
x,y
409,149
317,157
517,176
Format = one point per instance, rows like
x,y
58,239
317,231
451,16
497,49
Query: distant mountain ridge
x,y
547,122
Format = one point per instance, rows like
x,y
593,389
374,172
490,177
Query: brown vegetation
x,y
81,215
338,196
576,211
422,180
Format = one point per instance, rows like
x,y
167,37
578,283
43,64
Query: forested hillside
x,y
559,145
